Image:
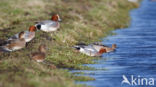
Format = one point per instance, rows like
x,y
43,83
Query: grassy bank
x,y
83,21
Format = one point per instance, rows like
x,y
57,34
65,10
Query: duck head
x,y
42,48
21,35
114,46
56,17
32,29
102,50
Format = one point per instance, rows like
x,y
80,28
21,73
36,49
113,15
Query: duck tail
x,y
38,26
2,49
114,46
4,43
76,47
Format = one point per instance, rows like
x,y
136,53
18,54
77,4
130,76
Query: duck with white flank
x,y
93,49
28,36
15,44
98,46
49,25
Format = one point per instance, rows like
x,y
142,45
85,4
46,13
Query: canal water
x,y
133,64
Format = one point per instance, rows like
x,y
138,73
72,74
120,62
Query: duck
x,y
40,55
15,44
89,50
29,35
93,49
98,46
49,25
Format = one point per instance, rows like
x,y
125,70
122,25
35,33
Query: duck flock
x,y
19,40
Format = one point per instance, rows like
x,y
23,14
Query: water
x,y
135,55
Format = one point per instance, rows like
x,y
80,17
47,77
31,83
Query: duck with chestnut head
x,y
28,36
49,25
93,49
98,46
89,50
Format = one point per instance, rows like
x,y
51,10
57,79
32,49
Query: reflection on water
x,y
135,55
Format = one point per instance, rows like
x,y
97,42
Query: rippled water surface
x,y
135,55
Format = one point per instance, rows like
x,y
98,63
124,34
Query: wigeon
x,y
40,55
89,50
49,25
99,45
15,44
29,35
94,49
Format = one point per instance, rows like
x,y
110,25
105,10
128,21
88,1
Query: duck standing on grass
x,y
15,44
29,35
49,25
93,49
40,55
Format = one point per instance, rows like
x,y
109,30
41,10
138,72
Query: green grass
x,y
83,21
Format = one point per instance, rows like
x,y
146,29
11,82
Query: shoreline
x,y
85,21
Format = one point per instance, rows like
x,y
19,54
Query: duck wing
x,y
3,49
14,37
37,55
89,52
49,23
